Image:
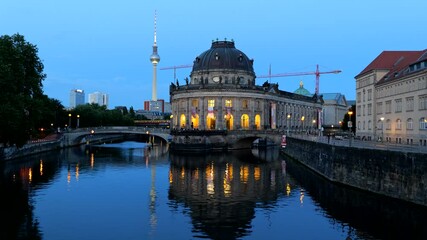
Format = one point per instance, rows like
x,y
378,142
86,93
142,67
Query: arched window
x,y
245,121
229,121
195,121
388,124
182,121
423,124
410,124
398,124
380,124
258,122
210,121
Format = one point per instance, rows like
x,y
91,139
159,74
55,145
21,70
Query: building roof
x,y
396,62
334,98
302,91
223,55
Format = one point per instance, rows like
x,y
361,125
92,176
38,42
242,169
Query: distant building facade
x,y
98,98
77,97
391,98
155,106
335,106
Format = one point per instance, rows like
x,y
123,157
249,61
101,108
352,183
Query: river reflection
x,y
222,192
133,191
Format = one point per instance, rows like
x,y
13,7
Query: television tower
x,y
155,58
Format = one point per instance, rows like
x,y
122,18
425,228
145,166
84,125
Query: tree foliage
x,y
94,115
21,76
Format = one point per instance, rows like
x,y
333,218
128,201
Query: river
x,y
132,191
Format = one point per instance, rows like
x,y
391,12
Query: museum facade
x,y
222,94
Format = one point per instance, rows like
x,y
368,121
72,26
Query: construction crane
x,y
317,73
175,67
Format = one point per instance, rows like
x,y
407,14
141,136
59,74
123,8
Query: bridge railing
x,y
120,128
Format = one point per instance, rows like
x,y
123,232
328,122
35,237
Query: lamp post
x,y
302,123
287,122
350,125
69,120
314,126
78,121
382,128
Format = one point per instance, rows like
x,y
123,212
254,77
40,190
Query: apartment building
x,y
391,98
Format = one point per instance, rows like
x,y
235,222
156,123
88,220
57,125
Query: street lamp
x,y
78,121
382,128
287,122
69,120
302,120
314,126
350,125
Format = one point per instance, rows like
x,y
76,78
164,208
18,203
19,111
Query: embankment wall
x,y
394,174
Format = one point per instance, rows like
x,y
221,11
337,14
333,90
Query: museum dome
x,y
223,55
302,91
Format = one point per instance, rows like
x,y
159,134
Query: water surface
x,y
132,191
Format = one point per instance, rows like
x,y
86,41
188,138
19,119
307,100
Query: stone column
x,y
220,115
203,111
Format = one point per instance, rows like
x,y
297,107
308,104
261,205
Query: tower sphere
x,y
155,58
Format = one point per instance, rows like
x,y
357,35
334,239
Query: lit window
x,y
228,103
245,104
195,103
211,103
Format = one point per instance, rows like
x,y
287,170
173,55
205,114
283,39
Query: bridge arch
x,y
82,136
246,142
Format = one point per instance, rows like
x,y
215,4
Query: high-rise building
x,y
77,97
98,98
155,106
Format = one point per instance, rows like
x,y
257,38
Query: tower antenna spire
x,y
155,27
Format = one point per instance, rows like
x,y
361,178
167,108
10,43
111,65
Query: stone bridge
x,y
83,135
235,139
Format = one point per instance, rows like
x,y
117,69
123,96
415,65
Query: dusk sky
x,y
106,45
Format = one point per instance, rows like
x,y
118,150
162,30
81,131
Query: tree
x,y
21,76
132,112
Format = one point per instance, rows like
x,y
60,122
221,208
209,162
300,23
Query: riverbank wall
x,y
400,175
9,153
29,149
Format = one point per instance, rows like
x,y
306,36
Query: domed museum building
x,y
222,94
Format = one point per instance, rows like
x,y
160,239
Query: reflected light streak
x,y
301,198
69,175
273,179
182,173
92,160
226,182
209,178
244,174
196,174
77,172
170,176
288,189
230,172
30,174
41,167
227,187
257,173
